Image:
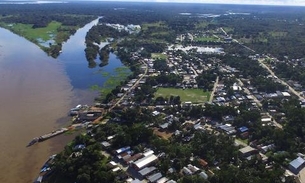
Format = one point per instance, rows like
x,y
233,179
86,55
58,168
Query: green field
x,y
186,95
202,25
158,56
278,34
207,39
44,34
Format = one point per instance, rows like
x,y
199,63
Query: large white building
x,y
143,162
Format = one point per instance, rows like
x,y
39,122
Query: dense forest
x,y
266,29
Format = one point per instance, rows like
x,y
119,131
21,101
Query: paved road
x,y
259,104
195,72
131,88
236,41
282,82
127,92
223,31
214,89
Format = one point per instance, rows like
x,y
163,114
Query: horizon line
x,y
220,2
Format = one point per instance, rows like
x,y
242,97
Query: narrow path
x,y
214,89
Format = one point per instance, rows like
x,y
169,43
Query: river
x,y
36,92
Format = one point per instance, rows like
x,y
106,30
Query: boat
x,y
34,141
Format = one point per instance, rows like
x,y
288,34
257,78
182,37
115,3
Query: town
x,y
195,111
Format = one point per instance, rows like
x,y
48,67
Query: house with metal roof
x,y
296,165
144,162
146,171
247,152
154,177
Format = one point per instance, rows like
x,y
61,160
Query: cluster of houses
x,y
140,166
143,166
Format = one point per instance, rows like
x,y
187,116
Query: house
x,y
155,113
148,152
247,152
296,165
123,149
193,168
144,162
116,169
187,171
146,171
154,177
105,144
130,180
162,180
171,181
203,175
132,158
243,129
203,163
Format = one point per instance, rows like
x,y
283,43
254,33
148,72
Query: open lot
x,y
158,56
186,95
164,135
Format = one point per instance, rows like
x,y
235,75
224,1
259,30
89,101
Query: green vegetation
x,y
54,31
112,81
94,37
278,34
147,26
202,25
33,34
192,95
158,56
206,39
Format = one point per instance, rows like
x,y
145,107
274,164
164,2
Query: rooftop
x,y
246,149
297,162
141,163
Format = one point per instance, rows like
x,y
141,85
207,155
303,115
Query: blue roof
x,y
297,162
243,129
80,146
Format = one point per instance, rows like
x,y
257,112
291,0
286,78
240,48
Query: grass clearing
x,y
44,33
186,95
246,141
202,25
158,56
278,34
207,39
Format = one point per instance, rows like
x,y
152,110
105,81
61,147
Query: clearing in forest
x,y
186,95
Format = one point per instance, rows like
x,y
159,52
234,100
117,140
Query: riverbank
x,y
36,94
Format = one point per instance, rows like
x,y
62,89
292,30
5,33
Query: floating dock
x,y
52,134
47,136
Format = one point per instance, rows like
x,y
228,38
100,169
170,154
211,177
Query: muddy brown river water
x,y
36,91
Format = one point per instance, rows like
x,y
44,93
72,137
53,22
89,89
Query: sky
x,y
258,2
255,2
